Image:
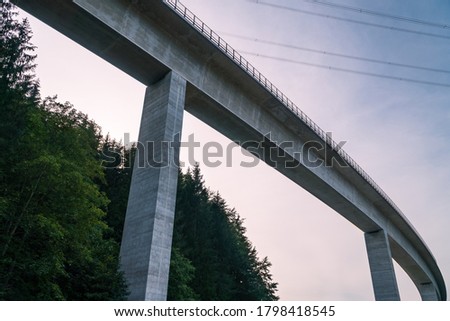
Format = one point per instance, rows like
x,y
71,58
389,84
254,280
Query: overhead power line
x,y
352,71
379,13
429,34
323,52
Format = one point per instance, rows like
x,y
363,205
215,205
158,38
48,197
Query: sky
x,y
398,131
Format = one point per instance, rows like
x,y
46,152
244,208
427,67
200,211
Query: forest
x,y
63,197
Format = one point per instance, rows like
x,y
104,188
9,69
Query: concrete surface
x,y
381,266
147,237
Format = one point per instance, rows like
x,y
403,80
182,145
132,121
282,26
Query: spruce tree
x,y
53,243
212,237
18,84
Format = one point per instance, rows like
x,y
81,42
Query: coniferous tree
x,y
18,85
117,163
17,97
52,232
182,273
212,237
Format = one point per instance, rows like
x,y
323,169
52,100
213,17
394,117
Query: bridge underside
x,y
150,42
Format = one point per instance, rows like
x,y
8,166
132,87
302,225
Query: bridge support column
x,y
147,236
428,292
381,266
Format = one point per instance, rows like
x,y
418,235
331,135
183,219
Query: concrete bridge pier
x,y
147,235
381,266
428,292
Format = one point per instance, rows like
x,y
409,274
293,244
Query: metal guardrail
x,y
222,45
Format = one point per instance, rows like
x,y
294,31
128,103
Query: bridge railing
x,y
221,44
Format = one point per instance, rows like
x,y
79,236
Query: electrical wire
x,y
354,21
352,71
389,63
379,13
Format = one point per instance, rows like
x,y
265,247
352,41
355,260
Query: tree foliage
x,y
52,228
212,237
18,85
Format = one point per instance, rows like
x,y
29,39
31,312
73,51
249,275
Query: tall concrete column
x,y
381,266
147,236
428,292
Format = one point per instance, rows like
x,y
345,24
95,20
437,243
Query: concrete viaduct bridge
x,y
187,66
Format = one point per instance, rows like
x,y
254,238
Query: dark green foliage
x,y
52,229
17,60
117,162
181,274
53,243
212,237
18,86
